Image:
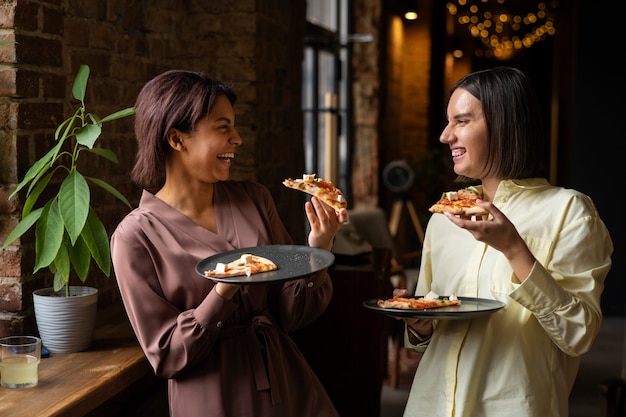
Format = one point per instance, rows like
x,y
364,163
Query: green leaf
x,y
95,119
62,262
119,114
38,167
68,234
88,134
97,240
74,198
110,189
36,180
59,282
22,227
48,235
34,194
67,125
80,258
106,153
80,83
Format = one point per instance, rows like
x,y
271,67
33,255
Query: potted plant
x,y
68,232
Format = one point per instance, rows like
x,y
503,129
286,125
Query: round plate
x,y
293,261
469,308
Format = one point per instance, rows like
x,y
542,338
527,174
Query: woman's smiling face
x,y
466,134
212,145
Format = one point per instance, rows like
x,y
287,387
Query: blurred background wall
x,y
341,88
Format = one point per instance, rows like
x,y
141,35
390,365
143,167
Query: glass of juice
x,y
19,361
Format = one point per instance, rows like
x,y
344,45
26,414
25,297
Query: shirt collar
x,y
508,187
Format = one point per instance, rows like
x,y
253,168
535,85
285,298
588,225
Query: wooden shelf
x,y
74,384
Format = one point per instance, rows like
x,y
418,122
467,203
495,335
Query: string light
x,y
502,30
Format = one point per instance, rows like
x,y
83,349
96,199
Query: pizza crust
x,y
461,203
323,190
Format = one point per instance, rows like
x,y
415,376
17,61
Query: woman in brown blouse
x,y
224,348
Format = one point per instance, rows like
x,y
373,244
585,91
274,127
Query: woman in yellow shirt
x,y
544,252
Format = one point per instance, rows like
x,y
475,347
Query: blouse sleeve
x,y
564,295
172,340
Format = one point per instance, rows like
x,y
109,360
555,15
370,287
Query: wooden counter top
x,y
73,384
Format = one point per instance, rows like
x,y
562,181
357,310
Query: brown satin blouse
x,y
222,358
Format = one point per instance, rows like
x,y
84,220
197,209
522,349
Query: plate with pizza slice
x,y
262,264
440,308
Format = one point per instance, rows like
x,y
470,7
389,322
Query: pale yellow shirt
x,y
523,359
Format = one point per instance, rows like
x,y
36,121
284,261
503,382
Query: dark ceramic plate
x,y
293,261
469,309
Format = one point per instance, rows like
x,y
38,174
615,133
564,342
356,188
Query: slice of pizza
x,y
247,265
461,202
429,301
324,190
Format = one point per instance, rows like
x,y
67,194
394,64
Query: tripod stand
x,y
394,222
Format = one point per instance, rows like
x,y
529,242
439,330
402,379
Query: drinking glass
x,y
19,361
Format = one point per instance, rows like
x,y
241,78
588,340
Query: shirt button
x,y
219,324
310,284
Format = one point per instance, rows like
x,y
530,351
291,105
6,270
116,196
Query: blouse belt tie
x,y
253,331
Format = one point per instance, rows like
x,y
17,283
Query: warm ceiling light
x,y
504,28
410,15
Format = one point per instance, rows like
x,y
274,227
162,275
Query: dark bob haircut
x,y
516,138
175,99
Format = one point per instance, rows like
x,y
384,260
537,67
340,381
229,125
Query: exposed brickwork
x,y
8,87
125,45
27,14
10,295
39,116
8,117
404,119
11,324
47,52
255,45
7,14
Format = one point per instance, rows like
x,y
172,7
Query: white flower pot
x,y
66,324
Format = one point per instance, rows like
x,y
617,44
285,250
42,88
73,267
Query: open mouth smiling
x,y
226,156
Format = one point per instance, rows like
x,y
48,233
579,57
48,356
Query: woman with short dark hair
x,y
224,347
544,252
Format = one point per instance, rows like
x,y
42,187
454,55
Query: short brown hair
x,y
516,136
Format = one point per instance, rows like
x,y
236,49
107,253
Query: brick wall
x,y
391,78
256,45
366,90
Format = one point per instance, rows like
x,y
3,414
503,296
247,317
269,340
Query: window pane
x,y
322,13
325,99
308,79
327,75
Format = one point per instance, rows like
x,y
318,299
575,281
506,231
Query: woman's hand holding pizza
x,y
325,222
499,233
326,211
